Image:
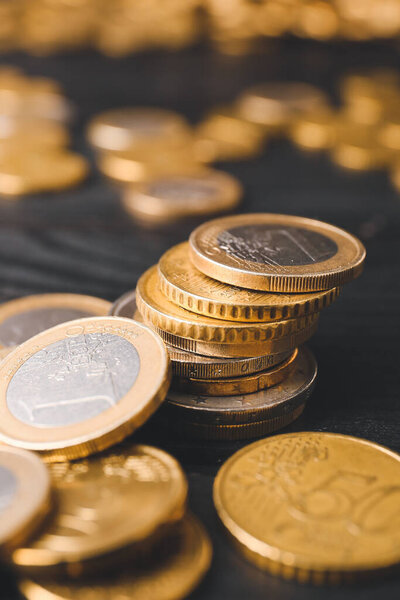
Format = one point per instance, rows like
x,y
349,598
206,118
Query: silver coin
x,y
8,488
73,380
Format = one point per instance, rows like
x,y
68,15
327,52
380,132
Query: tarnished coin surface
x,y
188,287
317,507
24,496
82,386
170,577
117,499
279,253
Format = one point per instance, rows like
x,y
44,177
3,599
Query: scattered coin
x,y
357,147
315,130
279,253
30,133
316,507
89,383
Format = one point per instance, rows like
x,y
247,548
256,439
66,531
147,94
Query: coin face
x,y
81,386
277,253
114,500
316,506
24,496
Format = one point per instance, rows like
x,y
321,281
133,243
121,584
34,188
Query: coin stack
x,y
34,154
234,305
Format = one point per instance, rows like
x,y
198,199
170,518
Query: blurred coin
x,y
368,96
117,500
315,130
186,286
82,386
24,496
388,135
316,507
317,20
279,253
357,147
395,175
30,134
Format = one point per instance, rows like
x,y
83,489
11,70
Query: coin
x,y
395,175
317,507
246,384
188,287
171,577
126,129
357,147
278,253
178,196
30,133
24,496
25,317
82,386
314,130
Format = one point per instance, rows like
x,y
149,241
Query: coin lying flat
x,y
278,253
23,318
170,577
317,507
188,287
24,496
234,386
115,500
82,386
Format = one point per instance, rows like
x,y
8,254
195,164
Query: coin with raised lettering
x,y
317,507
25,317
171,576
279,253
188,287
82,386
24,496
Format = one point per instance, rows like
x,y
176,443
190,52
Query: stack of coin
x,y
34,154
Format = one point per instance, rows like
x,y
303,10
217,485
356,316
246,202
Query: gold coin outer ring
x,y
246,384
108,428
215,263
235,311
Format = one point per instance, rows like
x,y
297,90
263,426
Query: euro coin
x,y
316,507
278,253
24,497
116,501
188,287
82,386
171,577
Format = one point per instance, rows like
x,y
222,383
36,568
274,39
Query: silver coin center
x,y
8,488
73,380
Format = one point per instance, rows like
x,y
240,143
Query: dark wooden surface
x,y
81,241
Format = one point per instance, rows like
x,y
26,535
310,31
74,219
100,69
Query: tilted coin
x,y
314,130
246,384
82,386
126,129
170,577
25,317
317,507
188,287
279,253
116,500
24,496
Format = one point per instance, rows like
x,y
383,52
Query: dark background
x,y
82,241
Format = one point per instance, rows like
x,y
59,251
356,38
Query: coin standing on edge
x,y
316,507
278,253
81,386
24,496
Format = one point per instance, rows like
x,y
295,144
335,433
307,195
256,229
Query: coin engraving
x,y
276,245
72,380
8,488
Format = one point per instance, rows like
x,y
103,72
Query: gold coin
x,y
317,507
357,147
170,577
388,135
395,175
157,310
314,130
116,500
246,384
180,196
317,20
368,96
30,133
82,386
129,129
279,253
25,317
188,287
24,496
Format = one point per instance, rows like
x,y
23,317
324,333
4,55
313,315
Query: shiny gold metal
x,y
357,147
188,287
318,20
279,253
82,386
316,507
31,133
314,130
24,497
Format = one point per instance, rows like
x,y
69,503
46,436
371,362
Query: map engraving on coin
x,y
73,379
8,487
276,245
